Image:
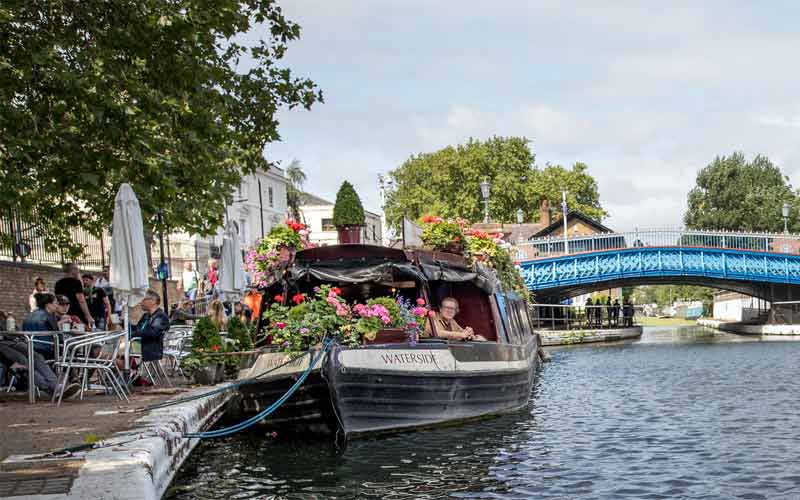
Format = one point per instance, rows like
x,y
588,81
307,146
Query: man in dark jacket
x,y
43,319
152,326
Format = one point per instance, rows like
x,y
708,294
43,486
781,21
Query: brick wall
x,y
16,284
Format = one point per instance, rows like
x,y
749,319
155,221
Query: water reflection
x,y
681,413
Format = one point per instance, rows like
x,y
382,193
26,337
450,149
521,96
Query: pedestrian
x,y
99,306
609,310
104,281
213,273
216,313
189,281
71,286
589,312
616,312
38,287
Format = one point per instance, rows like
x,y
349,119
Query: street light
x,y
485,193
785,217
520,216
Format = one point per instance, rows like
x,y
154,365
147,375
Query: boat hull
x,y
392,388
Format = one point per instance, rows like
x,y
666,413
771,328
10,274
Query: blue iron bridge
x,y
760,265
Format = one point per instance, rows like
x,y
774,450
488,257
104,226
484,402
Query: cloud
x,y
645,96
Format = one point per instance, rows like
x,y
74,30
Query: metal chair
x,y
152,370
177,345
97,352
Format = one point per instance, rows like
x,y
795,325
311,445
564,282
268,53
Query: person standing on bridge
x,y
616,312
609,310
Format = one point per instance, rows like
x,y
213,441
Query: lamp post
x,y
520,216
485,193
785,212
564,214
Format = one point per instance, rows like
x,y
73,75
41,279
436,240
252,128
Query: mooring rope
x,y
274,406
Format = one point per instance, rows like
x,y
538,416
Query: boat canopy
x,y
357,264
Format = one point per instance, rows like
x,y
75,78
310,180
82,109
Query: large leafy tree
x,y
162,94
739,195
447,183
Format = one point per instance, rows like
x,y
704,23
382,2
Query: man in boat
x,y
445,325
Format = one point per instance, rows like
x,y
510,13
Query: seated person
x,y
44,319
15,356
243,312
445,326
151,327
182,313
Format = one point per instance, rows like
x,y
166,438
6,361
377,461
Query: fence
x,y
762,242
567,317
22,239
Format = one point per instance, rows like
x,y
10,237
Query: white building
x,y
258,203
732,306
317,214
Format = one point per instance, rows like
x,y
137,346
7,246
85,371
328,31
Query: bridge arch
x,y
763,274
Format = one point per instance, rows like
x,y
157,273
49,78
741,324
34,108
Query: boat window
x,y
474,308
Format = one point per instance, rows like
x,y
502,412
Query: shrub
x,y
348,210
205,336
239,332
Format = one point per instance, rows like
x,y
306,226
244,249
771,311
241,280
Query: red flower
x,y
298,298
278,298
457,239
215,348
280,325
336,290
420,301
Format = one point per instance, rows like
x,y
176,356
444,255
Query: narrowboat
x,y
394,383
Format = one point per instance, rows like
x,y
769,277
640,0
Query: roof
x,y
594,224
312,200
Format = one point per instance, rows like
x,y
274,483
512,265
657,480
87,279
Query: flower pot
x,y
209,374
349,235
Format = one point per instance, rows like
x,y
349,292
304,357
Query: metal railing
x,y
569,317
22,239
762,242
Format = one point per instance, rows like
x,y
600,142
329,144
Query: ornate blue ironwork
x,y
674,262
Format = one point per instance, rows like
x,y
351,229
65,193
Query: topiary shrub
x,y
348,210
205,336
239,332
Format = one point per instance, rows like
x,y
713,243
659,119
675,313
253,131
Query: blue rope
x,y
227,431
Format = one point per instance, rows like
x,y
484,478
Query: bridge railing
x,y
553,246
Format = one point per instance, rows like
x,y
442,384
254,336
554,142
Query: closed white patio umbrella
x,y
231,275
129,269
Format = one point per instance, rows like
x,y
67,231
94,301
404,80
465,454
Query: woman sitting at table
x,y
44,319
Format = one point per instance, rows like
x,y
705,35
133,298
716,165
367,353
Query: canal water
x,y
681,413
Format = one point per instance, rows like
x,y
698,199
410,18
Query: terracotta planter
x,y
349,235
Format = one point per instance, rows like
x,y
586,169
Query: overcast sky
x,y
645,93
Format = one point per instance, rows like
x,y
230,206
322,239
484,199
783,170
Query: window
x,y
271,197
243,231
374,234
327,225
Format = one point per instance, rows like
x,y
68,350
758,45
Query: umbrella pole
x,y
127,343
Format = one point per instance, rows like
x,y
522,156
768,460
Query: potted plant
x,y
273,253
348,214
443,235
201,364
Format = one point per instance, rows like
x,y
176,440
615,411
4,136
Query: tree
x,y
734,194
294,190
162,94
447,183
348,211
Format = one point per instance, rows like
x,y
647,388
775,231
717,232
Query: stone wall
x,y
16,285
